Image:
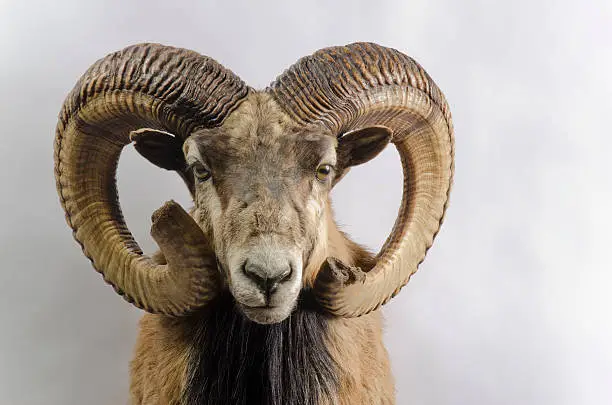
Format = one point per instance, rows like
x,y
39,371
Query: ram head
x,y
260,166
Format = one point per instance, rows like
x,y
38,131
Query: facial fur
x,y
259,198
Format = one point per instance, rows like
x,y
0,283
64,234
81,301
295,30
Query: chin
x,y
267,315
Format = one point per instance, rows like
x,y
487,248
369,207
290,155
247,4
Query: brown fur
x,y
159,367
356,343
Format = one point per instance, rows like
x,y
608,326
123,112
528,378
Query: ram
x,y
256,296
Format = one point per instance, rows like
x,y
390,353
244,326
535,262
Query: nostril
x,y
279,278
266,280
273,282
286,275
254,273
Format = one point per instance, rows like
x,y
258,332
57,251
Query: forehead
x,y
258,134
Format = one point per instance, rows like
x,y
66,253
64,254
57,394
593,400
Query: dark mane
x,y
236,361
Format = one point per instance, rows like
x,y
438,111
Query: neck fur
x,y
236,361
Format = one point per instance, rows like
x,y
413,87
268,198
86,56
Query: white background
x,y
513,304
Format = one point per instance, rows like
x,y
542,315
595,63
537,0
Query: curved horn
x,y
363,84
147,85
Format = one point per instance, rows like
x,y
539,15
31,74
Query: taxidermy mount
x,y
256,297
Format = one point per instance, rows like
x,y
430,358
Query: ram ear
x,y
160,148
360,146
163,150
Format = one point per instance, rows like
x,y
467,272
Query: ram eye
x,y
323,172
201,173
